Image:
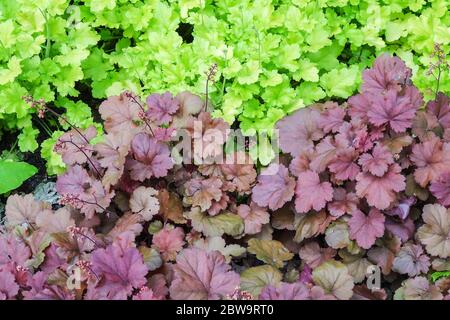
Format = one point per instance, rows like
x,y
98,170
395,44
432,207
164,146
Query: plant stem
x,y
437,82
206,94
47,35
56,114
143,110
87,157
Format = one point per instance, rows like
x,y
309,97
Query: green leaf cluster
x,y
273,56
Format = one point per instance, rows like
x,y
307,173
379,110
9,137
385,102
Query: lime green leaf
x,y
254,279
270,251
27,139
341,82
13,174
439,274
223,223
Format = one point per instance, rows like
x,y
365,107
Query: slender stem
x,y
259,46
56,114
89,238
13,147
209,77
437,82
47,34
206,94
143,110
94,273
87,157
98,205
45,127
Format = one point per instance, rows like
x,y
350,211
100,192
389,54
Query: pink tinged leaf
x,y
158,284
73,147
122,270
318,293
13,251
53,222
313,255
403,208
386,73
151,158
201,275
332,119
432,159
120,114
209,133
378,162
169,241
145,294
359,105
424,124
380,192
441,189
274,188
391,109
366,229
22,209
36,284
204,191
254,217
325,153
111,155
440,108
301,162
419,288
75,181
311,193
298,131
190,105
89,194
344,165
40,290
356,135
161,107
343,202
53,292
218,206
241,173
402,229
435,233
8,286
306,275
52,260
144,201
164,134
285,291
411,260
384,254
128,223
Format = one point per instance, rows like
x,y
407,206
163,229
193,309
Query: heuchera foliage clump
x,y
358,187
367,183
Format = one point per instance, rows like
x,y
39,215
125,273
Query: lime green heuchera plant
x,y
273,57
